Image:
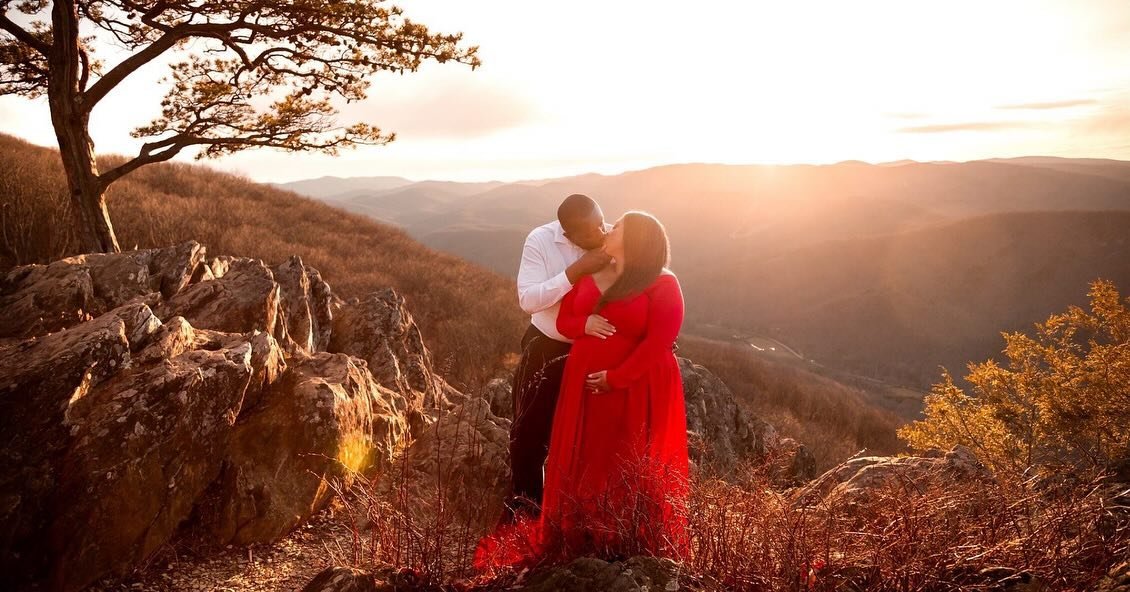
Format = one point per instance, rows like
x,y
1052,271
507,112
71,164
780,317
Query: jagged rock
x,y
144,446
731,435
637,574
498,392
40,299
245,298
307,304
322,420
103,440
380,330
342,579
467,450
225,415
853,481
178,336
1117,579
40,378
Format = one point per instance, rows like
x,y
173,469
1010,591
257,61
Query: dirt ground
x,y
288,564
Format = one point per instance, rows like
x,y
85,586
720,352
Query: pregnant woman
x,y
616,479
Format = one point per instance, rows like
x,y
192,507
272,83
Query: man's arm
x,y
537,290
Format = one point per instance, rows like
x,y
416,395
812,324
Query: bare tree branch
x,y
24,36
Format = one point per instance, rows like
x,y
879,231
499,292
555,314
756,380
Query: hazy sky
x,y
606,86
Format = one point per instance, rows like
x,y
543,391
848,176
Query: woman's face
x,y
614,240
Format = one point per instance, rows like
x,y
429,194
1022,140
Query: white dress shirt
x,y
542,282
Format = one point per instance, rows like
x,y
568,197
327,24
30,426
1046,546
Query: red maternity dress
x,y
616,479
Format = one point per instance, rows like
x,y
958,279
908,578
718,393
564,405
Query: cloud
x,y
1051,104
450,107
906,115
972,126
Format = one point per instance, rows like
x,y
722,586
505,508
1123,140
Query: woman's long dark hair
x,y
646,252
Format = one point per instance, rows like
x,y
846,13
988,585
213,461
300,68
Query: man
x,y
556,255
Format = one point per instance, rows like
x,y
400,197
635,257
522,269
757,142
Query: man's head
x,y
582,221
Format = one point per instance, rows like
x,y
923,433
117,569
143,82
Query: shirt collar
x,y
559,234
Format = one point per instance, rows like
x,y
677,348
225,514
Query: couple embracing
x,y
598,445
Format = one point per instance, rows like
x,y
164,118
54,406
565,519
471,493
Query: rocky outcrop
x,y
40,379
143,446
380,330
246,297
103,438
142,393
856,480
41,299
323,420
730,434
307,304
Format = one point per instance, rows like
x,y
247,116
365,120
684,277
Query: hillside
x,y
881,270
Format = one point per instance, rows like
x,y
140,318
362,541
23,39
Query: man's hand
x,y
589,263
598,326
597,382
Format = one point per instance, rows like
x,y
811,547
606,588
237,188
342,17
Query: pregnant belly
x,y
595,354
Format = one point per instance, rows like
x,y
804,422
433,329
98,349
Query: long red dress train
x,y
616,479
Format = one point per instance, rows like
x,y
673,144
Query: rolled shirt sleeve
x,y
537,290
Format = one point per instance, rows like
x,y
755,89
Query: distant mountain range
x,y
885,270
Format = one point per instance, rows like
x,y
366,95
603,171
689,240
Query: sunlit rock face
x,y
379,329
324,419
149,392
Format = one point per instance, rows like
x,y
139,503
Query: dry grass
x,y
917,534
928,533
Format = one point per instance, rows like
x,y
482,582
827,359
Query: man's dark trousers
x,y
536,383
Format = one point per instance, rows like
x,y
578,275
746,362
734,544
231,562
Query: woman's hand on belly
x,y
597,382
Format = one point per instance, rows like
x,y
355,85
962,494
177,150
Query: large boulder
x,y
379,329
857,480
323,420
143,447
41,380
104,435
730,435
152,394
40,299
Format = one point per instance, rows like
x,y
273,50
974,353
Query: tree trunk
x,y
71,121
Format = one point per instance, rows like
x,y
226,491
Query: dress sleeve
x,y
571,322
665,318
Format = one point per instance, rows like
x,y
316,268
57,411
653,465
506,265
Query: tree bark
x,y
71,122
